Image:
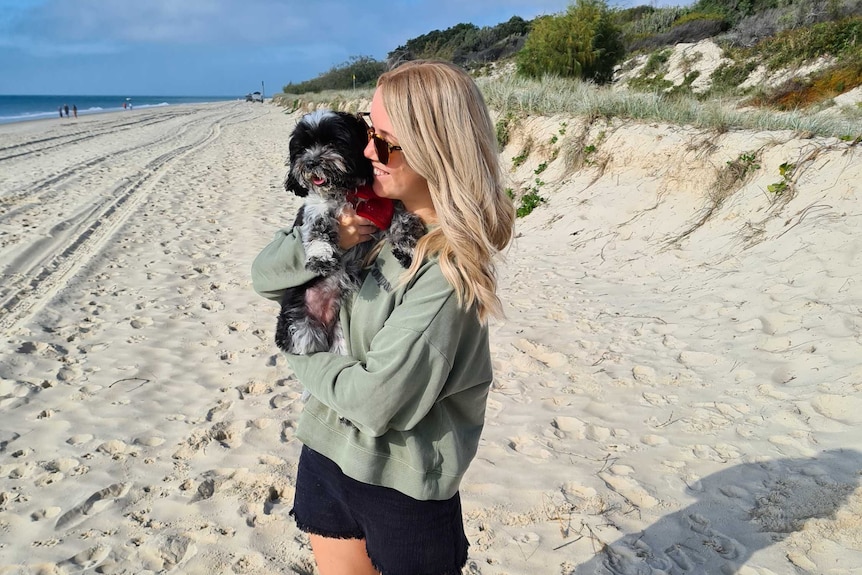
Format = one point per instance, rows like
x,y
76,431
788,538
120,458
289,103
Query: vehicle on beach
x,y
254,97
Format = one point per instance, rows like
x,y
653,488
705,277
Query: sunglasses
x,y
381,146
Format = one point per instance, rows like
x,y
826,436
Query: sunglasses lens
x,y
379,146
382,149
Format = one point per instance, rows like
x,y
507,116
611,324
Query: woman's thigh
x,y
341,556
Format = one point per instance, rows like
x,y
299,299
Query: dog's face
x,y
326,155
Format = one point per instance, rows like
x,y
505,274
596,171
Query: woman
x,y
390,429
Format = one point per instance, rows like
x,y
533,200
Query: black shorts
x,y
403,536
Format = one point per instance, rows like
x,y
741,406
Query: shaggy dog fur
x,y
327,166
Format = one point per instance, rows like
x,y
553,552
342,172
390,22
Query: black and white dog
x,y
329,170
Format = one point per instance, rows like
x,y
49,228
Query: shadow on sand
x,y
739,511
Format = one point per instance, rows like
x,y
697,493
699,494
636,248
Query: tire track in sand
x,y
73,242
82,135
41,191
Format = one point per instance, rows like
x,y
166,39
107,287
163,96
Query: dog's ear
x,y
356,125
291,184
356,138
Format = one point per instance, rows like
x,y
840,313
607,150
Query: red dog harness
x,y
372,207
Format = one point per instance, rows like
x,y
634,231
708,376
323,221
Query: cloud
x,y
110,23
164,22
48,49
214,46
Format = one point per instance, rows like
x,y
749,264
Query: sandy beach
x,y
678,377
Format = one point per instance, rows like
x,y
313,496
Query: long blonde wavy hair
x,y
447,136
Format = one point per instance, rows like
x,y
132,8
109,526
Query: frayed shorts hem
x,y
312,530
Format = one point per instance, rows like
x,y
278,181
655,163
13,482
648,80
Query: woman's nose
x,y
369,151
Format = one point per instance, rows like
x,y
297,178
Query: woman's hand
x,y
353,229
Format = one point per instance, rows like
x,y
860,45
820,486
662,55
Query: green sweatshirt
x,y
406,407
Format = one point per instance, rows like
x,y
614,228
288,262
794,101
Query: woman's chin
x,y
378,188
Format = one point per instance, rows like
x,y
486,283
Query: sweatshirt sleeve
x,y
280,265
406,367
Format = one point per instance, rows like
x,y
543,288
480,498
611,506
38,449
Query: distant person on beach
x,y
75,110
125,104
60,110
390,428
66,109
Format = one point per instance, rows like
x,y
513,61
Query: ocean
x,y
23,108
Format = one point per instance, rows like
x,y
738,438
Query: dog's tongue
x,y
318,181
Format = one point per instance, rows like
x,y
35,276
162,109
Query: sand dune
x,y
678,377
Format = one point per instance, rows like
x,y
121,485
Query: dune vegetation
x,y
781,65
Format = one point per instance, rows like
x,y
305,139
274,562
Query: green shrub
x,y
529,202
636,22
837,38
656,62
728,76
519,159
735,10
584,42
688,32
785,170
358,71
503,127
696,16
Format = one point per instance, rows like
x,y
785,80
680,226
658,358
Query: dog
x,y
327,168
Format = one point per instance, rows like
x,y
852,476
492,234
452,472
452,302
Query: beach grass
x,y
551,96
562,96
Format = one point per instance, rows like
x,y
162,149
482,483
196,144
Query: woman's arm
x,y
280,265
407,367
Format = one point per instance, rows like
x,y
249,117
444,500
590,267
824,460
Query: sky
x,y
215,47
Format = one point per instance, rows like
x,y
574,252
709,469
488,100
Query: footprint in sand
x,y
288,430
176,550
793,446
644,374
229,433
844,408
726,547
630,490
196,442
528,447
94,504
541,353
219,410
84,560
284,400
47,513
697,359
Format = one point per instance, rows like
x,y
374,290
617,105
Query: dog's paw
x,y
321,266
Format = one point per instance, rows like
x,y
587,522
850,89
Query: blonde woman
x,y
390,429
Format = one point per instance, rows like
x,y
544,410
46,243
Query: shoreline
x,y
37,116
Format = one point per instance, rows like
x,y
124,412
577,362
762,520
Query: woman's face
x,y
396,180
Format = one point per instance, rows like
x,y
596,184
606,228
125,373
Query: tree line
x,y
586,41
